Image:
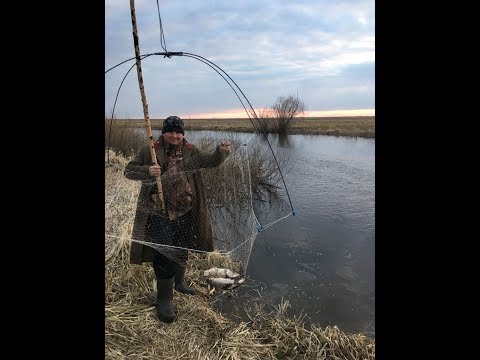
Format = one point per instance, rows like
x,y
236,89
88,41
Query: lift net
x,y
228,202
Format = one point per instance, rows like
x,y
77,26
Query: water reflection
x,y
283,141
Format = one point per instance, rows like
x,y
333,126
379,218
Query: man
x,y
182,221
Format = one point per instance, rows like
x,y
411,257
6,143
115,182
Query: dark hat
x,y
173,123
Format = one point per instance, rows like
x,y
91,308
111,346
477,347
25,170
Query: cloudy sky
x,y
322,51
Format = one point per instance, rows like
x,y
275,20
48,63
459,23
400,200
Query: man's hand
x,y
225,146
155,170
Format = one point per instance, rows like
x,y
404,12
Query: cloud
x,y
323,50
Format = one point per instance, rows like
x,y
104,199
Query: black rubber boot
x,y
180,285
164,300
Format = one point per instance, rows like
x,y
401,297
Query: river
x,y
322,259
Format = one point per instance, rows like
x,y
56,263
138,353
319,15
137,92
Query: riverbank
x,y
132,330
354,126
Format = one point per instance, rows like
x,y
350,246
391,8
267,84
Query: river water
x,y
322,259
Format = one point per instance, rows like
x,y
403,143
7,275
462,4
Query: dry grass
x,y
361,126
132,330
122,139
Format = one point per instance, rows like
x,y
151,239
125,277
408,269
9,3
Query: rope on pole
x,y
144,102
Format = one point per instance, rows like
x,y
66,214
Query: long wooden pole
x,y
144,102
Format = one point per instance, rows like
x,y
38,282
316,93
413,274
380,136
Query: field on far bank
x,y
361,126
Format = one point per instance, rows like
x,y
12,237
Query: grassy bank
x,y
132,330
358,126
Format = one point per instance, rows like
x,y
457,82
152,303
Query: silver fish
x,y
221,273
225,283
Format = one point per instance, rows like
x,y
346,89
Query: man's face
x,y
173,137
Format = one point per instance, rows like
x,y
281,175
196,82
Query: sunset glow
x,y
237,113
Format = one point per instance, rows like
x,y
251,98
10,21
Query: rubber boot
x,y
180,285
164,300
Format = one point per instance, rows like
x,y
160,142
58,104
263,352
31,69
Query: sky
x,y
321,51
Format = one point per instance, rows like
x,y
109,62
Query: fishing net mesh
x,y
231,202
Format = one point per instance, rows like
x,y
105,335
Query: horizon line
x,y
237,113
241,114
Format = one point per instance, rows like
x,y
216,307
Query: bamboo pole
x,y
144,102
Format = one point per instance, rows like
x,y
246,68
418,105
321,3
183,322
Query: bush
x,y
278,119
264,172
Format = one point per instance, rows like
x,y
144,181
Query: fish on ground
x,y
221,273
225,279
225,283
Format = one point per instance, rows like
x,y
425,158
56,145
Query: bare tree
x,y
267,121
285,110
